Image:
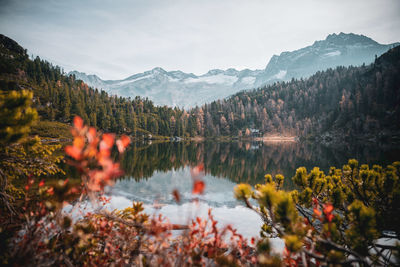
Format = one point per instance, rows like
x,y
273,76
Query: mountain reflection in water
x,y
153,171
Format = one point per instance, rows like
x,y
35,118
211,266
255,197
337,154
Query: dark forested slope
x,y
343,102
59,97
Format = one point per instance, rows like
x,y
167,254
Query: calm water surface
x,y
153,171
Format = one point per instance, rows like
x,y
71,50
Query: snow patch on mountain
x,y
332,54
280,75
214,79
124,82
177,88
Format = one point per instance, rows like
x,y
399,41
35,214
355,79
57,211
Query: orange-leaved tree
x,y
57,230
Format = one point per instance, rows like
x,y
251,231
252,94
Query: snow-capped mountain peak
x,y
177,88
349,39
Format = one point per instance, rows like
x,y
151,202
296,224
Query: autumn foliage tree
x,y
55,230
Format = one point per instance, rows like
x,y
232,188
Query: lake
x,y
154,170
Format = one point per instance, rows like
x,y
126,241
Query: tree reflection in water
x,y
246,161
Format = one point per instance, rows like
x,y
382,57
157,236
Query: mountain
x,y
336,50
177,88
344,103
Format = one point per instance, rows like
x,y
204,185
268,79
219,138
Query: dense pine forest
x,y
58,97
337,103
334,104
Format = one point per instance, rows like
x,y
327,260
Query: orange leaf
x,y
328,208
198,187
73,152
125,140
107,141
91,134
78,122
317,212
79,142
41,183
122,143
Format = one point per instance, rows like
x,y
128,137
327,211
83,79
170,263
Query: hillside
x,y
59,97
177,88
341,103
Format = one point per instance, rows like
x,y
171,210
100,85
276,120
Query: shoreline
x,y
277,139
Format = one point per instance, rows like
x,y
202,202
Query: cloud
x,y
115,39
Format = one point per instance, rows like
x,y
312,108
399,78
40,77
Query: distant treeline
x,y
343,101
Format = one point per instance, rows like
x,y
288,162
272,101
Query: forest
x,y
336,104
58,97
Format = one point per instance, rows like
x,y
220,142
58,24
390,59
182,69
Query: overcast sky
x,y
115,39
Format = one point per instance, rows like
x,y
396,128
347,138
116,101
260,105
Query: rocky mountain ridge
x,y
177,88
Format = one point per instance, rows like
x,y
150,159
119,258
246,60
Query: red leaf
x,y
201,167
328,208
41,183
197,172
73,190
78,122
176,195
329,217
198,187
50,191
103,224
